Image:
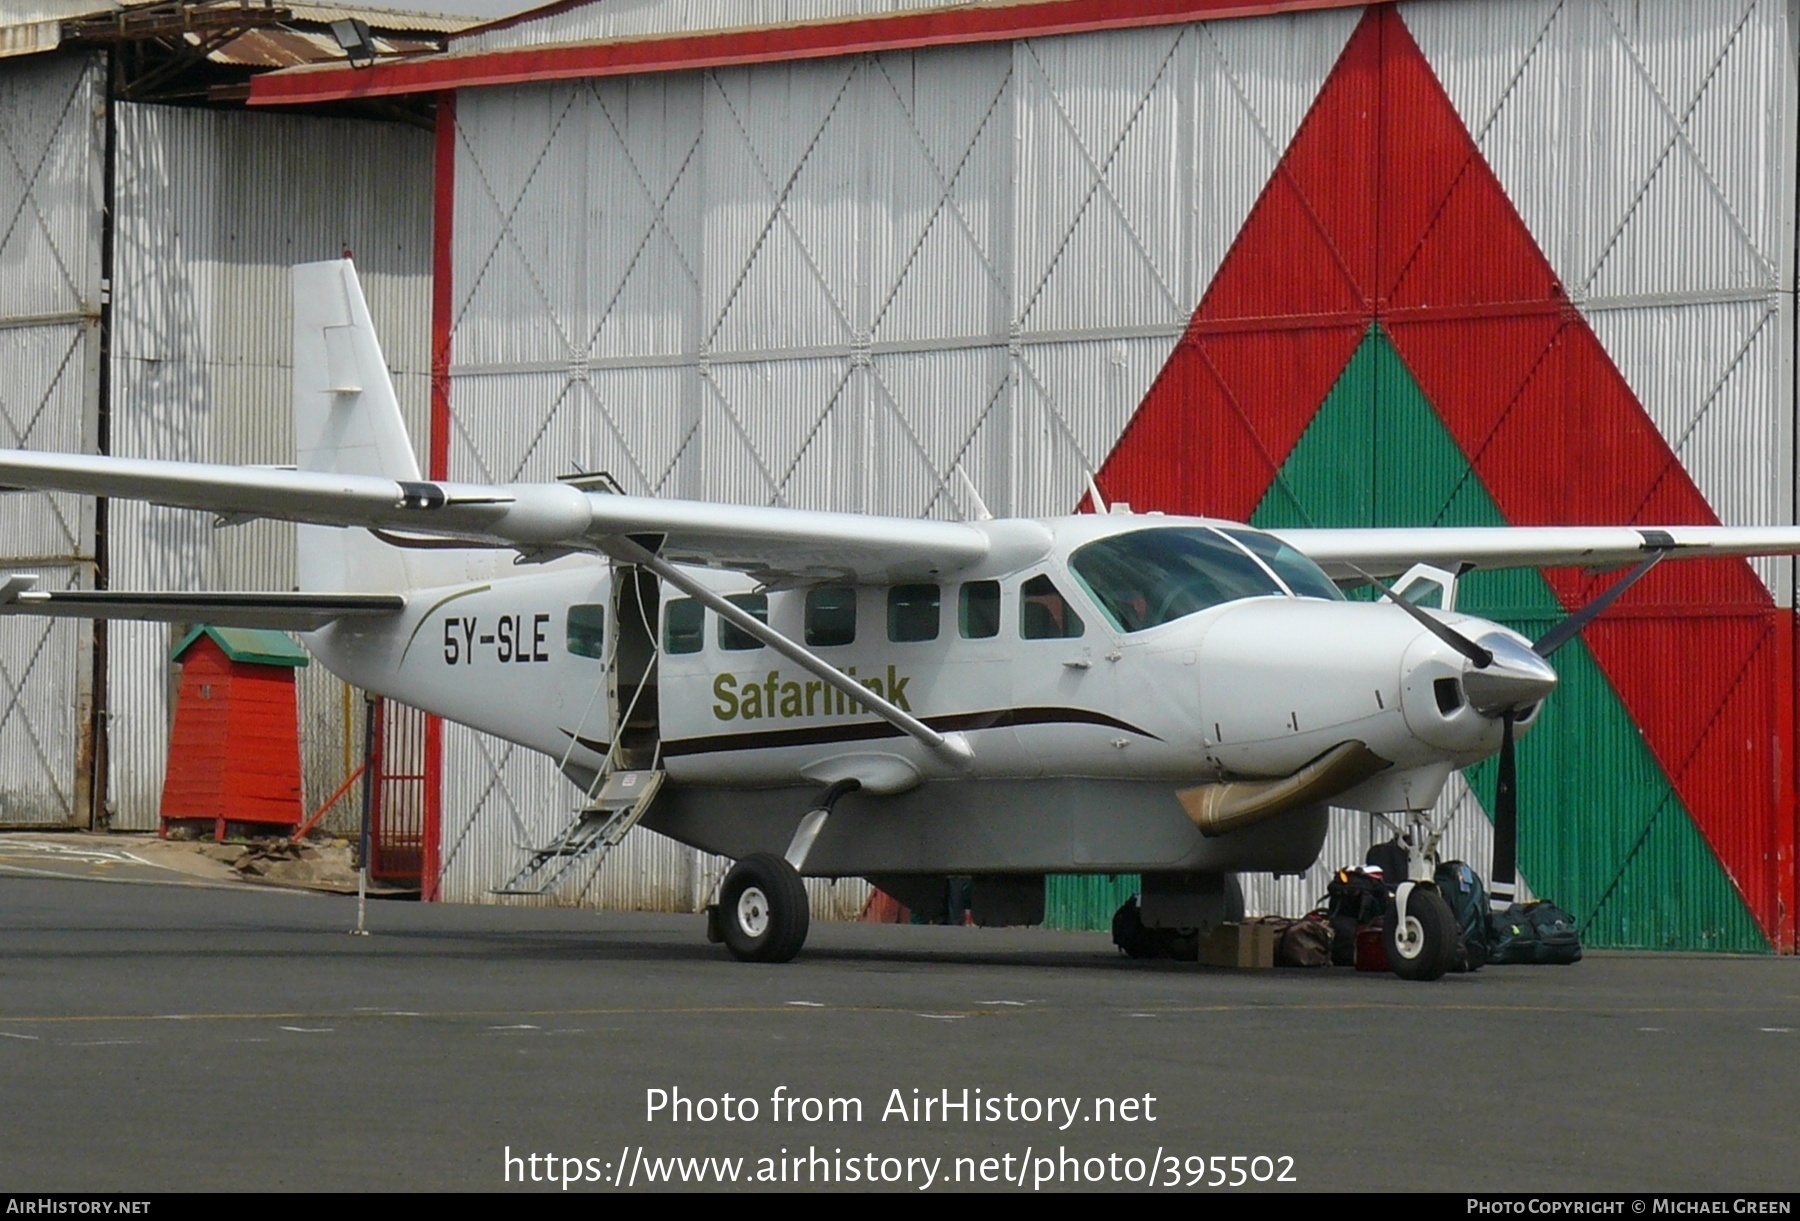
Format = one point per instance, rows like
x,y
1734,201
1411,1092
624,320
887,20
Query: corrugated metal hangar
x,y
1449,262
147,221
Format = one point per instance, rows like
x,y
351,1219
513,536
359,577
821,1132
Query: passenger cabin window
x,y
831,615
684,626
735,638
978,610
1044,614
913,613
586,634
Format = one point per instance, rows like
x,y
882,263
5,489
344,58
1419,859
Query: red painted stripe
x,y
1787,834
686,52
443,308
443,301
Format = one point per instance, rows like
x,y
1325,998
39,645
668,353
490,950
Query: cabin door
x,y
631,680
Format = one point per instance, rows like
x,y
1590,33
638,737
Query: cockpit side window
x,y
1151,577
1044,614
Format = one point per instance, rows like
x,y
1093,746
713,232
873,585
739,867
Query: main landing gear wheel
x,y
763,909
1421,945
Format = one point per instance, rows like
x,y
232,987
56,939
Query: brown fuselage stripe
x,y
820,735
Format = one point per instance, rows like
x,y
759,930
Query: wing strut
x,y
953,748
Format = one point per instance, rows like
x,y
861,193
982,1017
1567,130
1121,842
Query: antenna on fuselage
x,y
981,510
1094,493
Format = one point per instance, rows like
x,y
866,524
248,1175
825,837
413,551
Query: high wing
x,y
772,544
778,545
1390,552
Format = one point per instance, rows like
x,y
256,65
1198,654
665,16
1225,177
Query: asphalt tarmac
x,y
158,1033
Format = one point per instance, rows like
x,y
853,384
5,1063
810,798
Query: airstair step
x,y
623,799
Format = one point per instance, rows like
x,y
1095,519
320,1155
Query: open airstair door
x,y
631,679
629,778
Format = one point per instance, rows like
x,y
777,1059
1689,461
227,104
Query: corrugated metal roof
x,y
989,21
601,20
29,27
381,18
284,48
30,39
31,12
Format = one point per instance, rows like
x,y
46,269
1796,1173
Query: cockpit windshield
x,y
1298,573
1151,577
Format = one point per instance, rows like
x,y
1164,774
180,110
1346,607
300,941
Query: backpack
x,y
1392,859
1352,898
1536,932
1468,899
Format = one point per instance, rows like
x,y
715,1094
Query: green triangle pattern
x,y
1601,830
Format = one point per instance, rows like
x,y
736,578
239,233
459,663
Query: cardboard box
x,y
1239,945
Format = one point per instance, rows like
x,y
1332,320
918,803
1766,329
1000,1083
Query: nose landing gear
x,y
1420,934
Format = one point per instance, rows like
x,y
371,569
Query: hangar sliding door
x,y
1532,265
213,209
830,283
52,148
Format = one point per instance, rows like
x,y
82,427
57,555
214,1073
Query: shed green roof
x,y
256,645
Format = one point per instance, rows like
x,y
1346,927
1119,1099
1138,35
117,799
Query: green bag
x,y
1538,932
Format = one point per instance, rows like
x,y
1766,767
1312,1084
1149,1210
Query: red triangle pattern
x,y
1383,210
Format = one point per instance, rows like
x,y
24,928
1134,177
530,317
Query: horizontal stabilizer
x,y
294,612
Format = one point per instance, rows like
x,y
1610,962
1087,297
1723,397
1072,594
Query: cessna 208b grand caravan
x,y
833,694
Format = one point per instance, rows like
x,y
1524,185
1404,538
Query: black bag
x,y
1536,932
1352,898
1391,858
1468,899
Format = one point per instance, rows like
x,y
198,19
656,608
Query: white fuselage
x,y
1249,688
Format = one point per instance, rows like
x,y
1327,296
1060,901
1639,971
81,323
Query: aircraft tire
x,y
763,909
1427,952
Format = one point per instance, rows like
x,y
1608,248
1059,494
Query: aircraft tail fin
x,y
346,421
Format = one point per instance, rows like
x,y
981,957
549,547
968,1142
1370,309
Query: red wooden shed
x,y
235,754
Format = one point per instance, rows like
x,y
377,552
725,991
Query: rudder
x,y
346,421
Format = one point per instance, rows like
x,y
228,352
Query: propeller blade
x,y
1569,628
1482,658
1503,885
